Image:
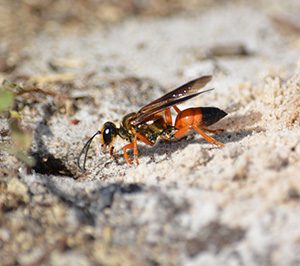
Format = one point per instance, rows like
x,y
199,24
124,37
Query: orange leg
x,y
168,116
208,138
181,132
129,146
133,145
111,151
144,139
135,149
176,109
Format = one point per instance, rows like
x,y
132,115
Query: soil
x,y
188,202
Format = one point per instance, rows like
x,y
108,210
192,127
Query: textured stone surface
x,y
188,202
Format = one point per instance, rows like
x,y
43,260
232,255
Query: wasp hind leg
x,y
209,139
206,137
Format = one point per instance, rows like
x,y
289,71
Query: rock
x,y
18,188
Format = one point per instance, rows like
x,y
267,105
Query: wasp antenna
x,y
85,149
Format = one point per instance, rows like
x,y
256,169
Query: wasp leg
x,y
144,139
111,152
207,138
129,146
133,145
213,130
135,149
168,116
181,132
176,109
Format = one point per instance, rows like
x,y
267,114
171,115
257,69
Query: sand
x,y
187,202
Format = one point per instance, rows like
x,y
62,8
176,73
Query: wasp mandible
x,y
155,120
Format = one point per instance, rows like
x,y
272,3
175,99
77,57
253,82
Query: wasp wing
x,y
181,94
192,87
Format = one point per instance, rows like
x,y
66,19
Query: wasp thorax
x,y
108,133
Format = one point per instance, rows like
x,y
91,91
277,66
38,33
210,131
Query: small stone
x,y
16,187
4,234
218,185
29,258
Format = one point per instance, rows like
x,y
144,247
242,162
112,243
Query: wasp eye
x,y
107,137
109,132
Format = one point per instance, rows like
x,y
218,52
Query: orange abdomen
x,y
199,116
189,117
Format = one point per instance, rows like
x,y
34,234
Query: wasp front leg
x,y
207,138
111,153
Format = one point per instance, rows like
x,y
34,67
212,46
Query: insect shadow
x,y
237,122
89,205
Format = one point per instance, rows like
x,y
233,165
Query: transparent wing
x,y
181,94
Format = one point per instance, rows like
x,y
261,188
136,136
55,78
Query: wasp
x,y
154,121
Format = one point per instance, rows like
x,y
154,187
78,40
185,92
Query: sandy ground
x,y
187,202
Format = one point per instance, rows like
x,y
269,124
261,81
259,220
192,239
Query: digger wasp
x,y
154,120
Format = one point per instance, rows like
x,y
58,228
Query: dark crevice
x,y
49,165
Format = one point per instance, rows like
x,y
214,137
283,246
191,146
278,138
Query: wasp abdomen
x,y
188,117
200,116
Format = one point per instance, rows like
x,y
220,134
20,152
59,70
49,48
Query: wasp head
x,y
108,134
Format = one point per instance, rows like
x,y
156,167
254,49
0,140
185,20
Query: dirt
x,y
188,202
